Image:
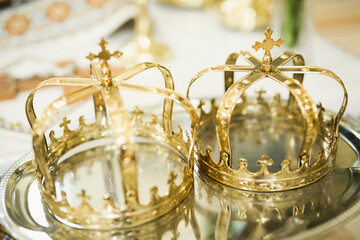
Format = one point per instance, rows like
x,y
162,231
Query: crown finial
x,y
267,44
104,55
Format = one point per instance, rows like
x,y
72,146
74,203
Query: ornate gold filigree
x,y
320,133
60,155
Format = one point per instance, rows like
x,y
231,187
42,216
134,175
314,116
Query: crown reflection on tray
x,y
93,176
275,145
173,222
262,215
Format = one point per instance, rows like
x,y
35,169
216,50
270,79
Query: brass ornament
x,y
144,47
318,135
114,136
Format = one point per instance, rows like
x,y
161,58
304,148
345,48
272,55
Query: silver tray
x,y
210,210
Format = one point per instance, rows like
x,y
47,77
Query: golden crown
x,y
90,175
296,141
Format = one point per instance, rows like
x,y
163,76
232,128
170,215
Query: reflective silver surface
x,y
212,210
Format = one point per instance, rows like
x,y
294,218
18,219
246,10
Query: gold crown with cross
x,y
96,174
274,144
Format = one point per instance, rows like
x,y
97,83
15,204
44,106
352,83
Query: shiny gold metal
x,y
220,211
144,47
267,45
316,154
174,222
268,215
186,3
54,157
181,214
103,57
245,15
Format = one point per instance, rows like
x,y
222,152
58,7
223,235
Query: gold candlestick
x,y
144,47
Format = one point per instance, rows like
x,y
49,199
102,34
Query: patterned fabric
x,y
41,20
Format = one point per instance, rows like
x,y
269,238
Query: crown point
x,y
171,182
64,200
285,164
320,107
208,150
65,123
260,93
154,191
154,195
109,202
172,178
201,104
137,112
265,161
243,163
84,197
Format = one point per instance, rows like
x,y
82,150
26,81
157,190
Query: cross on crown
x,y
265,161
267,44
172,178
104,55
137,111
260,93
65,123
